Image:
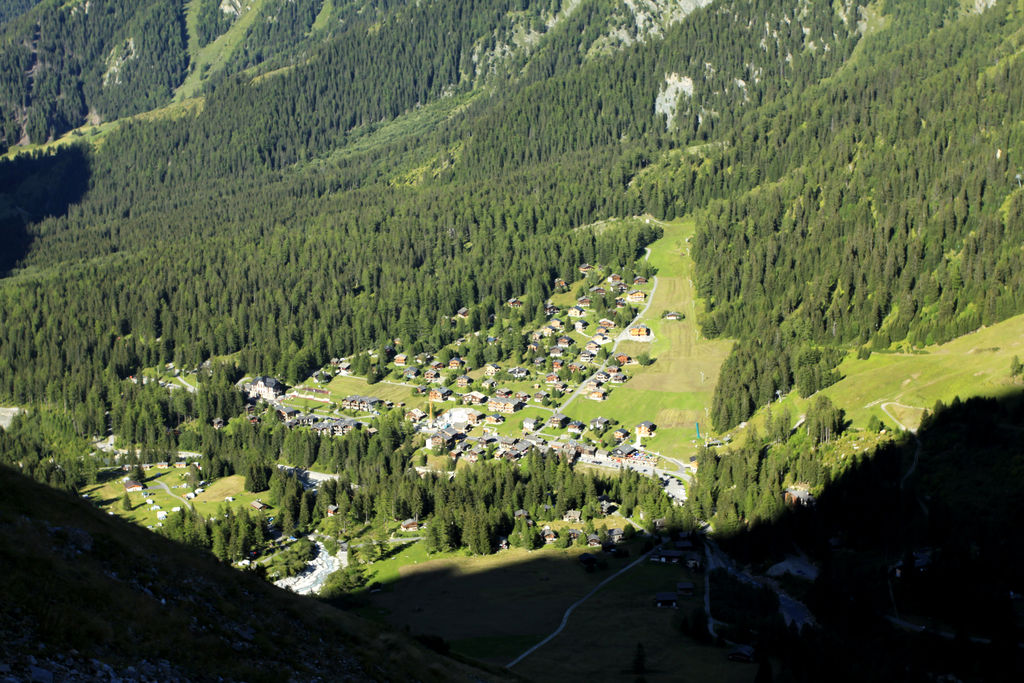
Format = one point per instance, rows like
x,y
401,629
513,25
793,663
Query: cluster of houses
x,y
329,426
454,441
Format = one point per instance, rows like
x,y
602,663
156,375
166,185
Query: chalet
x,y
665,599
560,283
521,513
639,280
599,424
557,364
259,505
640,331
344,368
551,378
491,369
576,427
646,429
802,497
432,375
548,330
556,324
529,424
618,378
577,312
463,381
540,396
401,359
218,423
593,540
266,388
584,301
549,535
614,278
673,315
550,309
488,384
615,535
455,363
636,297
332,510
519,372
514,303
521,396
503,392
667,556
288,413
180,464
575,367
620,287
473,417
495,419
557,421
556,351
462,313
365,404
581,326
573,516
592,346
598,291
586,268
474,398
503,404
560,387
602,339
623,359
605,322
410,525
597,394
620,302
620,434
131,486
411,373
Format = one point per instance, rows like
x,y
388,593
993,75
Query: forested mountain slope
x,y
419,157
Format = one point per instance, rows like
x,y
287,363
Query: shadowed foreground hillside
x,y
91,597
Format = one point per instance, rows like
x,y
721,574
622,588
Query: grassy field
x,y
109,492
342,386
209,501
669,655
903,385
210,58
675,391
486,607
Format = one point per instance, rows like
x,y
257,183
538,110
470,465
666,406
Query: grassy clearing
x,y
906,384
109,492
342,386
209,501
670,656
482,602
676,390
211,58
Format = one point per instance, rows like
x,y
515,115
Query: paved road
x,y
573,606
622,336
161,485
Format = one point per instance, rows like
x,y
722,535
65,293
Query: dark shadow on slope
x,y
921,535
954,521
34,187
87,595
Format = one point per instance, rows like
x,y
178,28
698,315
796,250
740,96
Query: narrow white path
x,y
621,337
573,606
